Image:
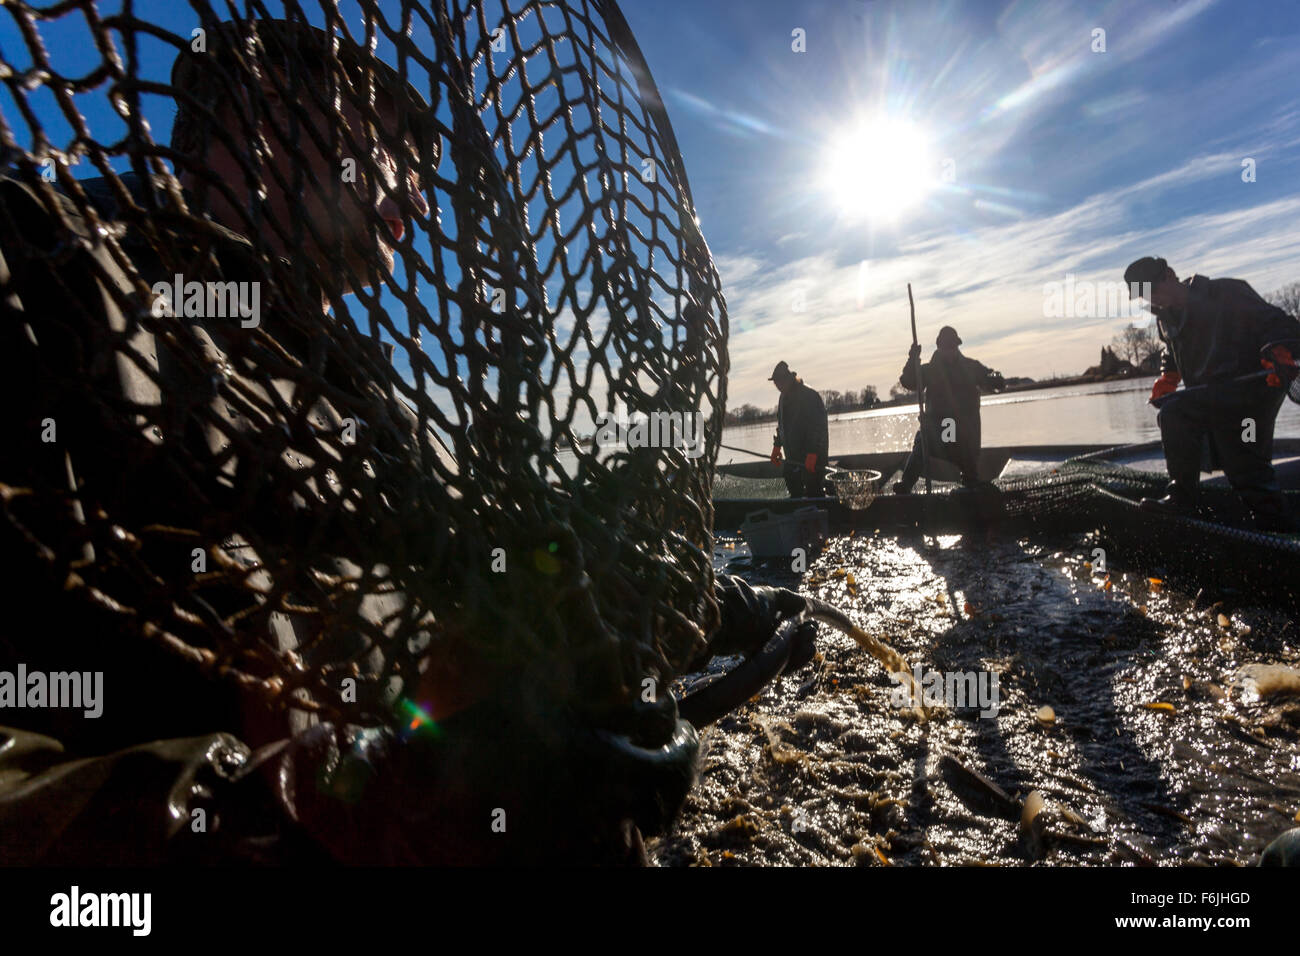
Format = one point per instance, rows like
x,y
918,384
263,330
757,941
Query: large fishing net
x,y
1089,494
335,467
1217,546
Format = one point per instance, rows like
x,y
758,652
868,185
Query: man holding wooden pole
x,y
950,384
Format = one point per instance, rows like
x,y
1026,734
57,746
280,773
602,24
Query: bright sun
x,y
878,168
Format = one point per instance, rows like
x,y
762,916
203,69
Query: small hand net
x,y
856,489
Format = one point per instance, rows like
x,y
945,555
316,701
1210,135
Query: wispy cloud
x,y
990,286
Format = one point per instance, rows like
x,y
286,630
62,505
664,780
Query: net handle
x,y
648,91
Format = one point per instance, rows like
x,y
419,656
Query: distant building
x,y
1110,366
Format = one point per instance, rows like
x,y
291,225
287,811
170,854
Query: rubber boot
x,y
1180,501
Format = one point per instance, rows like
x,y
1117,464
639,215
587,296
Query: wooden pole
x,y
747,451
920,392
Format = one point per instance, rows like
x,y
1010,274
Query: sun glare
x,y
878,168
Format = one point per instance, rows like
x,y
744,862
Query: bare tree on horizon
x,y
1287,298
1135,343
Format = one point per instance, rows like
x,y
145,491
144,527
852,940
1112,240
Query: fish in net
x,y
297,396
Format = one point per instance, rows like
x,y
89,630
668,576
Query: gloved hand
x,y
776,455
1281,356
810,462
802,646
750,615
914,351
1166,384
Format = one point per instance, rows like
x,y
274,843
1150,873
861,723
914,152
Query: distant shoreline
x,y
1076,380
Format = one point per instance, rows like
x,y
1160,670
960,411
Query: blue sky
x,y
1066,161
1062,160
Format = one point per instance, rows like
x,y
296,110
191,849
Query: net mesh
x,y
1218,548
1090,491
359,456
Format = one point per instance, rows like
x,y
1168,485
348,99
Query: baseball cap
x,y
781,369
287,40
1148,269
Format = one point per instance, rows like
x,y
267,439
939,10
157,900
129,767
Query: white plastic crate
x,y
774,536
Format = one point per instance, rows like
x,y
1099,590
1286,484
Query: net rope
x,y
390,465
1092,493
1089,491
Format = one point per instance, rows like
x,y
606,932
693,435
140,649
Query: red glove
x,y
1281,356
776,455
810,462
1166,384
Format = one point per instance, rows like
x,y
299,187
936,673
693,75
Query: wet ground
x,y
1154,750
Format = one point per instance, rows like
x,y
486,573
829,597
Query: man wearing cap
x,y
315,208
802,431
951,427
283,221
1214,331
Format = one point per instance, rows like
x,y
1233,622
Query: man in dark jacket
x,y
82,351
951,428
801,430
1214,331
